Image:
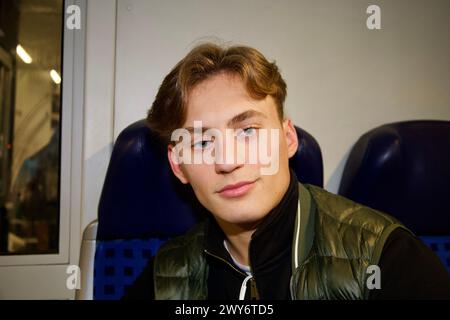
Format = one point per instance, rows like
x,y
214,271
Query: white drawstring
x,y
244,287
297,233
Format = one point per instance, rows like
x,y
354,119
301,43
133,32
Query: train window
x,y
30,114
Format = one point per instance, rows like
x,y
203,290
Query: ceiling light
x,y
23,54
55,76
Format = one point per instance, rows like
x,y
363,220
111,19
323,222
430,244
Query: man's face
x,y
236,193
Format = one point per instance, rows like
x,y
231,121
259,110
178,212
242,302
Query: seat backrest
x,y
403,169
142,204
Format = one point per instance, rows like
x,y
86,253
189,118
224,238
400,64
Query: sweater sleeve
x,y
410,270
142,288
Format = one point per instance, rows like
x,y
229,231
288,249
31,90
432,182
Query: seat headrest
x,y
403,169
141,197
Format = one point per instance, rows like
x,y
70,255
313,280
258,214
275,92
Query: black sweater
x,y
409,269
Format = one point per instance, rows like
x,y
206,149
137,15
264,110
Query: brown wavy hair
x,y
261,77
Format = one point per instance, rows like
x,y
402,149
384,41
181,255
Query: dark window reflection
x,y
30,94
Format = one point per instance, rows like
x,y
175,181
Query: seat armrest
x,y
87,256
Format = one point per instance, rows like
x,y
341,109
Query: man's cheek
x,y
269,151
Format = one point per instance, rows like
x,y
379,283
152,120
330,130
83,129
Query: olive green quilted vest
x,y
334,242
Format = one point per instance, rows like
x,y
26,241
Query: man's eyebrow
x,y
236,119
191,129
244,116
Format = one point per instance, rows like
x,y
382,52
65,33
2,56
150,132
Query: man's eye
x,y
201,145
247,132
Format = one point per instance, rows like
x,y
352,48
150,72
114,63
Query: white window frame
x,y
71,152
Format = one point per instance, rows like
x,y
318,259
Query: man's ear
x,y
290,134
175,164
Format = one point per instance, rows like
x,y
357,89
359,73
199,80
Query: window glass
x,y
30,95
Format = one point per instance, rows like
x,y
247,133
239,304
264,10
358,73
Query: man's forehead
x,y
221,79
215,92
223,100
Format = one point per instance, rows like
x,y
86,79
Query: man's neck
x,y
238,236
238,240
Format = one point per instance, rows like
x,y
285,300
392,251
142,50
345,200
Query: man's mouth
x,y
237,189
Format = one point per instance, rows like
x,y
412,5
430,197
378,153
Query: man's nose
x,y
227,167
228,157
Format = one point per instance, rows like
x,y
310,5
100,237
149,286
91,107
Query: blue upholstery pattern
x,y
141,199
118,263
440,246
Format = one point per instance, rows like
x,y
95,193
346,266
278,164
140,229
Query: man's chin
x,y
245,220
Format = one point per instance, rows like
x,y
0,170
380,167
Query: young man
x,y
267,236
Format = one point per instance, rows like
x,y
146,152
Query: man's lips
x,y
237,189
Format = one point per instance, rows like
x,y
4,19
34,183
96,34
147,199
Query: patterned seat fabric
x,y
118,263
441,246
